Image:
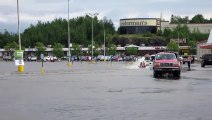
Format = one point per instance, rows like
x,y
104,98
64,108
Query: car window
x,y
165,57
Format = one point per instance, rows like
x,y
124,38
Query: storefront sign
x,y
138,22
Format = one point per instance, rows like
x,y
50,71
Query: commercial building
x,y
152,25
139,25
205,46
201,27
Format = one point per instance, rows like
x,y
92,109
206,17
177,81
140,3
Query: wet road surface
x,y
103,91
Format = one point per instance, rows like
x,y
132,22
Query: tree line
x,y
57,32
199,18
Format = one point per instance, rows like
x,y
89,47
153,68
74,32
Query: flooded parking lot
x,y
102,91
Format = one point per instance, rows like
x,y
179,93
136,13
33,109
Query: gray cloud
x,y
46,10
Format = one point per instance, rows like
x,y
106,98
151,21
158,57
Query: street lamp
x,y
104,38
19,54
178,41
19,36
69,50
92,15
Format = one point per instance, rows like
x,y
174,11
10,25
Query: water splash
x,y
136,64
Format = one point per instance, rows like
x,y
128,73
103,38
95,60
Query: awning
x,y
208,45
132,46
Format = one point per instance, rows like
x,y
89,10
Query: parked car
x,y
206,59
108,58
74,58
85,58
100,58
53,59
117,58
129,58
32,58
166,63
7,57
50,58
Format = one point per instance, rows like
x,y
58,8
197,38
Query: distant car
x,y
129,58
108,58
53,59
100,58
117,58
7,57
166,63
32,58
85,58
206,59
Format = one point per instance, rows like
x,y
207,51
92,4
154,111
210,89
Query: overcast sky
x,y
47,10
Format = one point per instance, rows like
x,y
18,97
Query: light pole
x,y
92,15
19,54
178,40
19,36
69,50
104,39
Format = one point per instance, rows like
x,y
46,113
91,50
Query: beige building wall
x,y
203,28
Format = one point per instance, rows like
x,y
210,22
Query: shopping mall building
x,y
153,25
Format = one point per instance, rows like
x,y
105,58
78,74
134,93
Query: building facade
x,y
153,25
202,28
139,25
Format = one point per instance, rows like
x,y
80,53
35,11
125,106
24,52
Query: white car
x,y
32,58
50,58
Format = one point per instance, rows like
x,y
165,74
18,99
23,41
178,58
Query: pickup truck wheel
x,y
155,74
176,74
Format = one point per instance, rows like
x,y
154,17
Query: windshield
x,y
165,57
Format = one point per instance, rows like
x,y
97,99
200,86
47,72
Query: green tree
x,y
179,20
11,47
56,31
173,46
96,50
198,19
40,49
111,50
76,50
58,50
132,50
167,33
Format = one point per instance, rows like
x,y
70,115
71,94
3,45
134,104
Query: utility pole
x,y
69,50
92,15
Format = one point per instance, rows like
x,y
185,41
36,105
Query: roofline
x,y
137,18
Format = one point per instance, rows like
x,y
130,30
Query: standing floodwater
x,y
102,91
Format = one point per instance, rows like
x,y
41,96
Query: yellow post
x,y
20,68
69,64
42,71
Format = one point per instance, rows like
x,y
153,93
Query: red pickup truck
x,y
166,63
